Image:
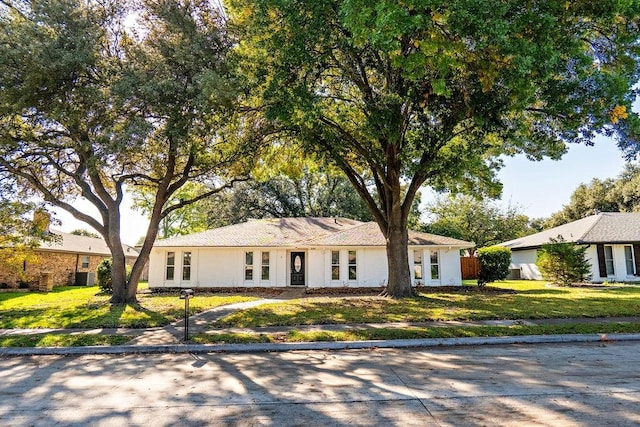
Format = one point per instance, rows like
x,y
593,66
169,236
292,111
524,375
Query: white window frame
x,y
186,265
266,266
170,266
353,265
335,266
248,267
418,270
436,264
609,260
633,260
88,261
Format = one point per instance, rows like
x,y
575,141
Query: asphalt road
x,y
551,385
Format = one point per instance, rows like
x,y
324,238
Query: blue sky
x,y
542,188
537,188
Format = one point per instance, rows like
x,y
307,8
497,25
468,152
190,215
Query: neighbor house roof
x,y
288,232
85,245
605,227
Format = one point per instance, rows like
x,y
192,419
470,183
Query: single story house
x,y
311,252
612,240
67,260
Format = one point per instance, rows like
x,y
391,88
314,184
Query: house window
x,y
353,269
248,265
186,266
608,260
417,265
265,265
171,265
335,265
85,261
435,268
628,257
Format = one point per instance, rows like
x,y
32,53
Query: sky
x,y
538,189
542,188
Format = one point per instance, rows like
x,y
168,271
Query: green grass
x,y
416,333
61,340
84,307
532,300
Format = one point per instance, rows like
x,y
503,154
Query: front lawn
x,y
532,300
84,307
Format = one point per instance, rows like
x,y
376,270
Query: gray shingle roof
x,y
286,232
605,227
369,234
83,245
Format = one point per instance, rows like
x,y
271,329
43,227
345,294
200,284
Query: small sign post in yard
x,y
186,294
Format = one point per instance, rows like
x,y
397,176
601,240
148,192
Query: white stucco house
x,y
311,252
612,240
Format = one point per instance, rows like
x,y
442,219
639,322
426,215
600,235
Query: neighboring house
x,y
612,241
69,260
312,252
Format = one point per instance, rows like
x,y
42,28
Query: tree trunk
x,y
119,279
122,292
399,285
143,256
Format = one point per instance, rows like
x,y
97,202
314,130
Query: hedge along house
x,y
311,252
67,260
612,241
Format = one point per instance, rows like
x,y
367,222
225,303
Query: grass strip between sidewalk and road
x,y
415,333
61,340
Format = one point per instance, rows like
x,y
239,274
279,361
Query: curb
x,y
321,346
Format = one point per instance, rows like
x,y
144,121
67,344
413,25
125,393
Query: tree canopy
x,y
476,220
404,94
23,227
319,193
609,195
90,108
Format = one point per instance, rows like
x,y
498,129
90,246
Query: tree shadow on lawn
x,y
122,316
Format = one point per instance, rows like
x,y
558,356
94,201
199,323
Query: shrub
x,y
494,264
104,276
563,263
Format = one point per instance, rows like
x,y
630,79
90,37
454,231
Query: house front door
x,y
297,268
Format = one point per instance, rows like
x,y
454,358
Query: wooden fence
x,y
470,267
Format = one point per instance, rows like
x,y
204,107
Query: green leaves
x,y
563,263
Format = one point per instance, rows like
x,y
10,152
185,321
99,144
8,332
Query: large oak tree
x,y
401,94
89,108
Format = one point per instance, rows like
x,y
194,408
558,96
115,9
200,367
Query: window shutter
x,y
601,264
636,257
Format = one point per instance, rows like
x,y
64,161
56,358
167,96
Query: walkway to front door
x,y
297,268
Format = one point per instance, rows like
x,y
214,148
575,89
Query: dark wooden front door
x,y
297,268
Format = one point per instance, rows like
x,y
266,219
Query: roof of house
x,y
82,245
605,227
288,232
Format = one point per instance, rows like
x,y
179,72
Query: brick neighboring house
x,y
70,260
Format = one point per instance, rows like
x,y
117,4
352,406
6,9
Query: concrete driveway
x,y
552,385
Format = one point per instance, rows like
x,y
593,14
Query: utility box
x,y
85,279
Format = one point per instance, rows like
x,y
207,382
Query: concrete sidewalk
x,y
168,339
